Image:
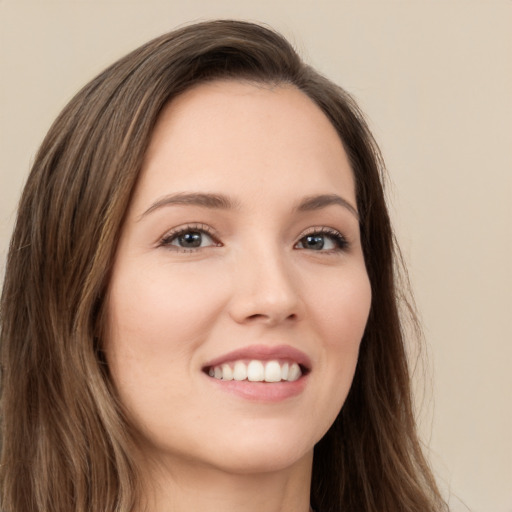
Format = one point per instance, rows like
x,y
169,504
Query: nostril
x,y
271,318
257,316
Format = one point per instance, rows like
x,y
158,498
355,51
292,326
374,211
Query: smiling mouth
x,y
257,371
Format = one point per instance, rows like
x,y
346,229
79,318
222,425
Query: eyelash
x,y
167,240
339,240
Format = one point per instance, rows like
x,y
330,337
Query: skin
x,y
254,279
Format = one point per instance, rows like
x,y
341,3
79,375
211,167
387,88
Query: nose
x,y
266,291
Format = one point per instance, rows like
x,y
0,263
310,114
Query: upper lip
x,y
263,353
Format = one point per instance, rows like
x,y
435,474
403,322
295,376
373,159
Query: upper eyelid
x,y
193,226
320,228
323,230
199,226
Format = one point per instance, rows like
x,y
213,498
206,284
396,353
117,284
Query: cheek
x,y
341,314
342,307
156,321
158,310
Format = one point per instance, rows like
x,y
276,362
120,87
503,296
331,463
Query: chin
x,y
267,460
264,452
244,454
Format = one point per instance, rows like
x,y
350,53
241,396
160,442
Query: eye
x,y
323,239
188,238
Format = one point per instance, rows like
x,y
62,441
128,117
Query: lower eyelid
x,y
340,244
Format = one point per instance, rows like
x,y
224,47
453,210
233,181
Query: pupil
x,y
315,241
191,239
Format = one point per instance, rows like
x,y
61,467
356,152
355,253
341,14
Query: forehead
x,y
225,135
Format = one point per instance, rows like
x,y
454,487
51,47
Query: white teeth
x,y
273,371
257,371
294,372
227,372
284,371
240,371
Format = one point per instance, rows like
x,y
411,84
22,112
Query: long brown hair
x,y
66,444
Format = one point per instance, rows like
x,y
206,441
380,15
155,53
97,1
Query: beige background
x,y
435,78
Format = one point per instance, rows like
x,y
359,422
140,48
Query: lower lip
x,y
262,391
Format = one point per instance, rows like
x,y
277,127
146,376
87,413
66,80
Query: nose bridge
x,y
265,286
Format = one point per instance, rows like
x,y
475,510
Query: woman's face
x,y
240,260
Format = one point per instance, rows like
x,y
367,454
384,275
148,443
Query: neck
x,y
183,487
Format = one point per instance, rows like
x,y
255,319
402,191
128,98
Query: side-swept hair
x,y
66,445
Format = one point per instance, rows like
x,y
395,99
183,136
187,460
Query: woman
x,y
199,309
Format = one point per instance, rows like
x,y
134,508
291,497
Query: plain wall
x,y
435,79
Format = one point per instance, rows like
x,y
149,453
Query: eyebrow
x,y
323,201
222,202
213,201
